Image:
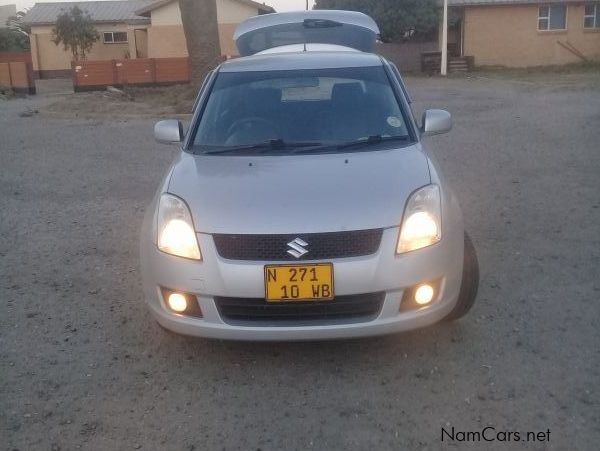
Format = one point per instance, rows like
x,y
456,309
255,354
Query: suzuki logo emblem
x,y
297,248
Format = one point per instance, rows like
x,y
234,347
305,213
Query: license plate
x,y
289,283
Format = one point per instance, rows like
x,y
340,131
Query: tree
x,y
15,23
75,30
199,18
12,41
398,20
15,37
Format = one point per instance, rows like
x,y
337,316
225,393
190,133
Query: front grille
x,y
321,246
342,309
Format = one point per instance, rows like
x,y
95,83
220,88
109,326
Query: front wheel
x,y
469,284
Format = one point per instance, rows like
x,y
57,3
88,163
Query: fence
x,y
14,57
18,76
88,75
406,56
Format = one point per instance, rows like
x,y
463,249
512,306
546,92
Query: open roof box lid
x,y
345,28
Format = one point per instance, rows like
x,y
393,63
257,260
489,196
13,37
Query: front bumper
x,y
380,272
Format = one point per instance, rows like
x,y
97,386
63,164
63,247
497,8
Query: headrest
x,y
347,93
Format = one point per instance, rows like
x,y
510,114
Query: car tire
x,y
469,284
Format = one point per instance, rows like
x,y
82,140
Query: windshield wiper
x,y
266,146
371,140
357,144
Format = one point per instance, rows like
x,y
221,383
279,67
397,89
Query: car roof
x,y
310,47
301,60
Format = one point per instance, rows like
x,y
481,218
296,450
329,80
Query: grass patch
x,y
177,98
6,93
130,101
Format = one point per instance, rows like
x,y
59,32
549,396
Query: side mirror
x,y
436,122
169,131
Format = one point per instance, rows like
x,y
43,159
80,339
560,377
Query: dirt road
x,y
84,366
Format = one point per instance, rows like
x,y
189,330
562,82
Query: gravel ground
x,y
84,366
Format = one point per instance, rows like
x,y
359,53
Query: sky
x,y
279,5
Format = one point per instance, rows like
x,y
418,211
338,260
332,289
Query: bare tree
x,y
199,18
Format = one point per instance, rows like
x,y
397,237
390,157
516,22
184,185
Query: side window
x,y
552,17
591,16
114,37
396,72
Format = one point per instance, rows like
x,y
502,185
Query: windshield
x,y
312,110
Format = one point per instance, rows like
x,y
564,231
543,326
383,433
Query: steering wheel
x,y
249,120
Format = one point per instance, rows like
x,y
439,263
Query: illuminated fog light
x,y
424,294
177,302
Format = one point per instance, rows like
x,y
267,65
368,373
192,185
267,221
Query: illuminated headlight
x,y
422,224
176,235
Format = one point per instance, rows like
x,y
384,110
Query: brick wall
x,y
509,36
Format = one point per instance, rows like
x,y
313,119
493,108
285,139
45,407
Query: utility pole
x,y
307,5
444,65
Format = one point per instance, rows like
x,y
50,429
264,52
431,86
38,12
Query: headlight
x,y
422,224
176,235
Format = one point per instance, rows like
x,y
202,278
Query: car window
x,y
321,106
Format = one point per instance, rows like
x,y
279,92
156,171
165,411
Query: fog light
x,y
181,303
177,302
424,294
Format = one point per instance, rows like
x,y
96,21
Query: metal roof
x,y
145,10
505,2
100,11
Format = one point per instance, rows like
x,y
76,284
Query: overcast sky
x,y
279,5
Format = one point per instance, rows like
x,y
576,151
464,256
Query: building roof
x,y
504,2
145,10
100,11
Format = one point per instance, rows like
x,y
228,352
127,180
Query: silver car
x,y
303,204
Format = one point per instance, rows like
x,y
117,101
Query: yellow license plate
x,y
290,283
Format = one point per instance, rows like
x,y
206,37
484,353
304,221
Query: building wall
x,y
166,15
228,46
230,11
166,38
50,59
508,36
166,41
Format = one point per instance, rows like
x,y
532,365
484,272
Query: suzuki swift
x,y
303,204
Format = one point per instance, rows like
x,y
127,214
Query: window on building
x,y
114,37
552,17
591,17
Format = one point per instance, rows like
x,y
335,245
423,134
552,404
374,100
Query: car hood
x,y
298,194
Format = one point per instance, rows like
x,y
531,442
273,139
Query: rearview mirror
x,y
436,122
169,131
